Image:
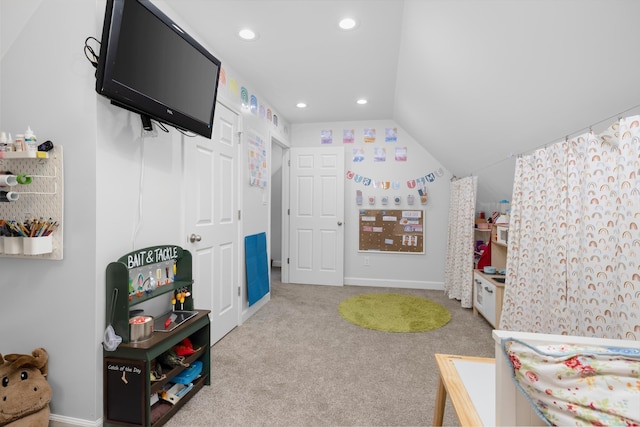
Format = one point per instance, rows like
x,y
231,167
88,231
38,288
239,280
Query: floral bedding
x,y
577,384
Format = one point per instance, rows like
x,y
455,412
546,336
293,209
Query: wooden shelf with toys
x,y
163,359
490,269
482,237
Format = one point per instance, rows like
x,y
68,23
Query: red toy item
x,y
485,258
185,348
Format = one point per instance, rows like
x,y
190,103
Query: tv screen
x,y
149,65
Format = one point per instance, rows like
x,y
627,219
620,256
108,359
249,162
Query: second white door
x,y
316,216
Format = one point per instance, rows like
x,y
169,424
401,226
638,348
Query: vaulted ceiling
x,y
476,82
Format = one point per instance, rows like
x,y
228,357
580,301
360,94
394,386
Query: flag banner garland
x,y
385,185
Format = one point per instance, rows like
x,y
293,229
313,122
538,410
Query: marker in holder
x,y
8,180
8,196
24,179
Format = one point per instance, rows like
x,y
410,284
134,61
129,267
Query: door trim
x,y
284,272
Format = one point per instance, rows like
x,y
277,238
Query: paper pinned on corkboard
x,y
386,230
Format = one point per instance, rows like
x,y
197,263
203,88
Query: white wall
x,y
422,271
46,82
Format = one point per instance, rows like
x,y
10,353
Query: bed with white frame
x,y
511,405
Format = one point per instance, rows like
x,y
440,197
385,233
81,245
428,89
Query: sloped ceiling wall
x,y
480,81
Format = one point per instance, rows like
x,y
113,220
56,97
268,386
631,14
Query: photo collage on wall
x,y
257,161
364,152
400,230
379,154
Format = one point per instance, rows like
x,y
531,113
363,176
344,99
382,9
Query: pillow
x,y
569,384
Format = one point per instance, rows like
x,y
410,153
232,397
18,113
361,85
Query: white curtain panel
x,y
573,265
458,280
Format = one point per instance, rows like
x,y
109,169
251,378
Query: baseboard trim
x,y
276,263
250,311
388,283
61,421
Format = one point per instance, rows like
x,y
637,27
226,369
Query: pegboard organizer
x,y
42,198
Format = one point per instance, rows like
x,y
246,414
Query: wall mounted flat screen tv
x,y
150,66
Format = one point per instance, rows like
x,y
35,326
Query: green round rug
x,y
394,312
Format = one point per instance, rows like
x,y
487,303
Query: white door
x,y
211,173
316,215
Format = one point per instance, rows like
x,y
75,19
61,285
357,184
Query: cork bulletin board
x,y
386,230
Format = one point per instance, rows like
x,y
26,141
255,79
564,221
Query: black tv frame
x,y
132,100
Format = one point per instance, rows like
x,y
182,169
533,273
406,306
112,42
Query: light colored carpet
x,y
296,362
394,312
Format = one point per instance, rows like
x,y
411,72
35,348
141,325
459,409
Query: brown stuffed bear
x,y
24,391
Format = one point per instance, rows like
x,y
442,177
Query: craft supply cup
x,y
38,245
12,245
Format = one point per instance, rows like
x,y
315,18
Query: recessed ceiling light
x,y
301,105
247,34
361,101
347,23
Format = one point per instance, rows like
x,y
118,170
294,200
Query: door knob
x,y
339,222
195,238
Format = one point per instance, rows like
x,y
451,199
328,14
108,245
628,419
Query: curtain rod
x,y
566,137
